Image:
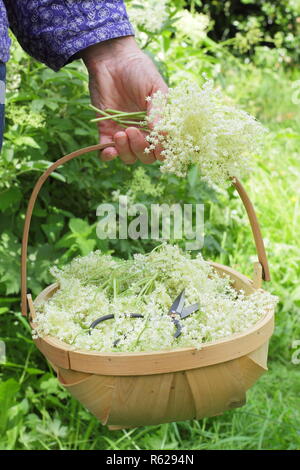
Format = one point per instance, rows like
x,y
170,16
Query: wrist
x,y
107,50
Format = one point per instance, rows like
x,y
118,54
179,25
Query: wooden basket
x,y
133,389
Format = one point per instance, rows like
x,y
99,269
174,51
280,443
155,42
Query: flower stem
x,y
116,111
124,121
122,118
141,330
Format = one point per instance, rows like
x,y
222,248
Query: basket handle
x,y
240,189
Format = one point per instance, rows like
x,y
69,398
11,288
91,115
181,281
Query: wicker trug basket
x,y
134,389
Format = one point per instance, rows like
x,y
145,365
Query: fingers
x,y
129,146
123,148
157,152
137,144
108,153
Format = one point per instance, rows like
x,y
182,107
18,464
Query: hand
x,y
120,77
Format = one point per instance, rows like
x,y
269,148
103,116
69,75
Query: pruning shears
x,y
178,312
109,317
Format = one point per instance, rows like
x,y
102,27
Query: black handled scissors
x,y
177,312
109,317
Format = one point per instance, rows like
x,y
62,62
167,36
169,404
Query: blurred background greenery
x,y
251,50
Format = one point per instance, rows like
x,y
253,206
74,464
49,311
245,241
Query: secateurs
x,y
109,317
178,312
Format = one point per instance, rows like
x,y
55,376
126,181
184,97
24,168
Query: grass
x,y
37,413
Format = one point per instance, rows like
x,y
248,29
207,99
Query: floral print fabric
x,y
53,31
2,100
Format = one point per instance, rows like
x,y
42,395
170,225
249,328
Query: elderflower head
x,y
148,14
195,125
98,285
192,25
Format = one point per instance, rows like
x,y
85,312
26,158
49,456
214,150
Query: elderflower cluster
x,y
148,15
23,116
192,25
97,285
195,125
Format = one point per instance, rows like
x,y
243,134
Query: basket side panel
x,y
126,401
70,377
217,388
254,365
181,404
260,355
95,393
140,400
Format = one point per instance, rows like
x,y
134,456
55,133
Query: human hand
x,y
121,76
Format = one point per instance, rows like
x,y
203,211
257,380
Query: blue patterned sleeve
x,y
53,31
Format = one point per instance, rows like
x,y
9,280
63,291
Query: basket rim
x,y
159,361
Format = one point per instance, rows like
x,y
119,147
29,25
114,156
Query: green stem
x,y
116,111
115,287
121,118
146,286
114,117
100,111
141,331
119,121
104,118
123,121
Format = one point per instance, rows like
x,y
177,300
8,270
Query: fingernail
x,y
121,137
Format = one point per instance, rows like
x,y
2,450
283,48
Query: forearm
x,y
55,33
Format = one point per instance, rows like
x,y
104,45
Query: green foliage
x,y
247,24
250,51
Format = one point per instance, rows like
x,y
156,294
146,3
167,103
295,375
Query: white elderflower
x,y
195,125
97,285
148,15
192,25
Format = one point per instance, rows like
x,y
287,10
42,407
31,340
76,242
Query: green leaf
x,y
10,197
53,227
40,260
79,226
34,371
50,385
58,176
66,241
86,246
37,105
295,294
9,300
26,141
10,262
8,392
